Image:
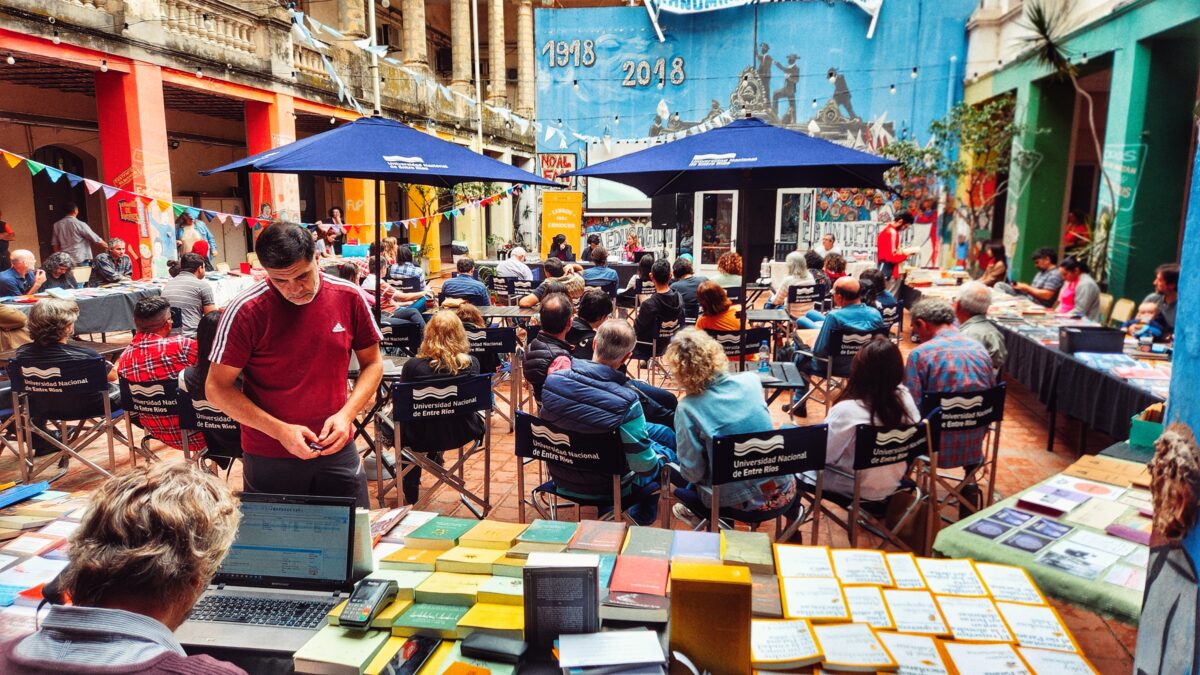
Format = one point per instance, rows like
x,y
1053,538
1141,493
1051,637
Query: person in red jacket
x,y
887,244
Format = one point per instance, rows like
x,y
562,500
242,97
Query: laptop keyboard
x,y
263,611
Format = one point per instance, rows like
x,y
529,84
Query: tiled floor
x,y
1024,460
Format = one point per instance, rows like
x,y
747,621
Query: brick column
x,y
497,93
525,60
270,125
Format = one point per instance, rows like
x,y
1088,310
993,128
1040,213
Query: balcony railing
x,y
216,23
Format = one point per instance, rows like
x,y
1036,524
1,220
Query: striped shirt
x,y
190,295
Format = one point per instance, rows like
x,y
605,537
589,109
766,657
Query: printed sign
x,y
768,453
967,410
888,446
151,398
562,213
600,453
443,398
555,164
81,377
492,340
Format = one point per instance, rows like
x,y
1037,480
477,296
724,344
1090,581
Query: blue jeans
x,y
811,319
662,441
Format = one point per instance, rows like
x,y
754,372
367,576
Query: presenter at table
x,y
289,339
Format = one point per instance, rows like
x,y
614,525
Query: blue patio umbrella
x,y
381,149
745,154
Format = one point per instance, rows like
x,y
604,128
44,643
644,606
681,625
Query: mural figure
x,y
841,93
764,66
791,77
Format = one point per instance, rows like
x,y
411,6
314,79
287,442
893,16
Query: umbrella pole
x,y
379,269
743,249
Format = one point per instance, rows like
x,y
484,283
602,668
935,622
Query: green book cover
x,y
652,542
752,549
426,619
441,532
608,561
549,532
339,650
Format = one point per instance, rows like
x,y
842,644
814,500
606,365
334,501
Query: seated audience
x,y
395,301
23,278
154,354
947,361
848,314
971,310
874,395
58,272
150,541
685,284
797,275
466,286
443,354
192,382
189,292
717,312
1046,283
52,325
404,266
595,307
874,289
560,249
551,341
626,297
816,267
1166,296
557,272
14,330
472,320
1080,294
997,269
834,266
729,270
112,265
595,397
600,271
662,306
718,403
200,248
514,265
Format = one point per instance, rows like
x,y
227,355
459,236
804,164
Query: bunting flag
x,y
91,186
12,160
109,191
53,174
74,180
34,167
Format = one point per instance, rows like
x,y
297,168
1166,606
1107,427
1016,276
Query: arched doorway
x,y
50,198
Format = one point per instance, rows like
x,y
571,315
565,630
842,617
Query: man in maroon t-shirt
x,y
289,338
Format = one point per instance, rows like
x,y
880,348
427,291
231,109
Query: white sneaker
x,y
682,512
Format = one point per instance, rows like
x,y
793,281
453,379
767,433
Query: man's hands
x,y
39,278
335,433
295,438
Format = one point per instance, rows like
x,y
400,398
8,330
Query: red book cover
x,y
637,574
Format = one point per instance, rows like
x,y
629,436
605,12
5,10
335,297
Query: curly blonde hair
x,y
730,263
445,343
1175,483
151,532
694,360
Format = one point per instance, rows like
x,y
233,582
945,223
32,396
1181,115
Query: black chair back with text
x,y
490,346
844,345
971,411
403,337
883,446
157,397
222,433
66,390
407,284
608,285
440,399
593,453
893,315
731,340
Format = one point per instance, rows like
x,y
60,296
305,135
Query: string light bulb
x,y
332,121
11,59
892,90
104,65
832,76
1083,59
575,85
385,4
814,104
200,73
913,74
616,120
56,40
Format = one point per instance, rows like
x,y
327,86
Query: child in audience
x,y
1143,324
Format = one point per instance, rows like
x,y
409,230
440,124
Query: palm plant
x,y
1049,26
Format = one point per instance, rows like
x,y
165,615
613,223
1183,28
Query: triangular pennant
x,y
237,220
193,212
209,215
91,185
74,180
12,160
53,174
109,191
163,205
178,209
34,167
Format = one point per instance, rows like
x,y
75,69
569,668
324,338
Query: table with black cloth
x,y
110,313
625,270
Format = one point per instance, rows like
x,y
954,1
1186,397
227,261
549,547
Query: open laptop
x,y
290,564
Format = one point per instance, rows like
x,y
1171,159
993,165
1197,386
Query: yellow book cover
x,y
338,651
384,655
411,559
449,588
700,592
502,591
384,619
467,560
501,620
492,534
509,566
406,580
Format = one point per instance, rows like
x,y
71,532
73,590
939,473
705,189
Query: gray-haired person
x,y
112,266
971,308
58,272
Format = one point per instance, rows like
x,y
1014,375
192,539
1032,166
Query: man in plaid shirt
x,y
948,361
153,355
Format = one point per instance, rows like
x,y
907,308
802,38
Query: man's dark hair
x,y
555,314
404,254
465,265
599,256
813,260
660,271
593,239
150,313
1046,252
905,217
282,245
594,304
70,207
374,264
348,271
1169,272
190,262
681,268
1073,264
553,267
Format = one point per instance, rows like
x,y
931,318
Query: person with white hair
x,y
971,308
514,265
797,275
24,277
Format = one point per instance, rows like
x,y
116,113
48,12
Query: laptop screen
x,y
291,542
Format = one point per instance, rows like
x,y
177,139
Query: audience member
x,y
473,321
997,269
14,330
834,266
816,265
797,275
595,397
848,314
405,267
874,290
948,362
406,305
887,245
685,284
551,341
569,275
192,381
718,403
112,265
58,272
443,354
514,265
971,310
627,297
595,307
600,271
1046,283
150,541
1080,294
1166,296
23,277
154,355
465,286
560,249
729,270
663,306
828,245
717,312
190,293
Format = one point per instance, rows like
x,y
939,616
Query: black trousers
x,y
338,475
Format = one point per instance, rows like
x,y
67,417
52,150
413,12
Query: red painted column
x,y
270,125
133,143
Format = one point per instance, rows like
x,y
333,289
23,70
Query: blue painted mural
x,y
602,72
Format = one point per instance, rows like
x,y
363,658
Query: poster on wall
x,y
555,164
562,213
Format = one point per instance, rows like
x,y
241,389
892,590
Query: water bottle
x,y
764,357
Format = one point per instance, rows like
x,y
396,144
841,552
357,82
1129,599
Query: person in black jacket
x,y
594,308
551,342
443,355
659,310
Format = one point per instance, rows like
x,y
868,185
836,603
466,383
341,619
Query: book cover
x,y
1051,501
548,532
440,621
26,522
442,532
406,581
782,644
407,525
1037,626
766,601
508,566
449,588
522,549
1010,583
453,655
649,542
867,606
501,620
793,560
492,534
1133,527
598,536
951,576
853,647
752,549
562,596
992,658
638,574
917,654
612,648
817,599
915,612
1054,662
383,520
411,559
607,562
635,608
700,547
858,567
903,568
502,591
32,543
699,593
383,620
468,560
337,651
973,619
